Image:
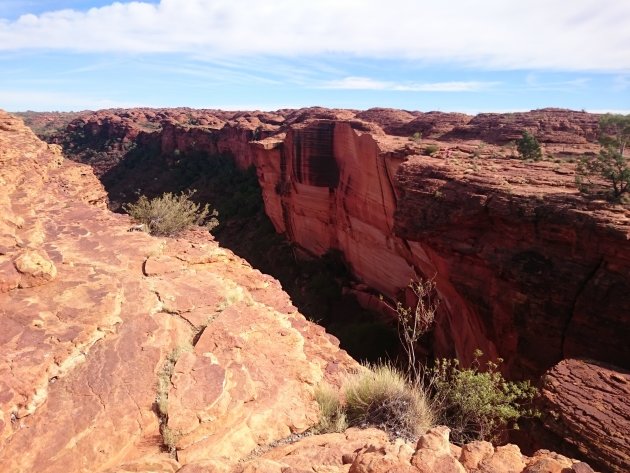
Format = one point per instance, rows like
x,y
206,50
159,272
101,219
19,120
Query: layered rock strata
x,y
588,404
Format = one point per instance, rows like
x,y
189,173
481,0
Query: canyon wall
x,y
526,267
326,187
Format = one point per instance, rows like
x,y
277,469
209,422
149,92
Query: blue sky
x,y
452,55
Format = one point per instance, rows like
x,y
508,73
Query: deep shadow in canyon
x,y
316,285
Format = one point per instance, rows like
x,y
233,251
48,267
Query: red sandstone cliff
x,y
114,342
527,269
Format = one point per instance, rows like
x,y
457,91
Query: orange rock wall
x,y
524,272
327,187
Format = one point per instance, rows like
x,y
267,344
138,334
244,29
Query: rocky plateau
x,y
92,316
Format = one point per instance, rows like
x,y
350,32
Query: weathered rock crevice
x,y
580,292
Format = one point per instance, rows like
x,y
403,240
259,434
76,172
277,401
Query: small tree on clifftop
x,y
611,163
528,147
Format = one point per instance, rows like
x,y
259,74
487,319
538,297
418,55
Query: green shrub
x,y
417,137
383,397
170,214
528,147
332,417
430,150
476,404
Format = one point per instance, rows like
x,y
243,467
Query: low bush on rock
x,y
430,150
383,397
475,403
171,214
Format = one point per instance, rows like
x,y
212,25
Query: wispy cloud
x,y
21,100
535,82
490,34
365,83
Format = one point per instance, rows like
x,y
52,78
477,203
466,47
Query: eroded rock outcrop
x,y
370,451
550,125
588,404
92,315
545,272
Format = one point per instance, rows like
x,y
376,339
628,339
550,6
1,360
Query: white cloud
x,y
496,34
365,83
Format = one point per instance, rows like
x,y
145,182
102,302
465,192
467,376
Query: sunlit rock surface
x,y
91,314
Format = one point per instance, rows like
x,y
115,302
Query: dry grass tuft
x,y
383,397
332,415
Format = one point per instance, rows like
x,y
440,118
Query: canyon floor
x,y
113,340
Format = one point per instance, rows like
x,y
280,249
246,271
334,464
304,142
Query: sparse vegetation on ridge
x,y
430,150
476,403
414,322
169,436
332,417
382,396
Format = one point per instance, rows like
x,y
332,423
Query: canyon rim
x,y
527,269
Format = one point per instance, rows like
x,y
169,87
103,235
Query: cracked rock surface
x,y
90,313
588,404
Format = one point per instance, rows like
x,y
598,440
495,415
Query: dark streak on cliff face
x,y
315,163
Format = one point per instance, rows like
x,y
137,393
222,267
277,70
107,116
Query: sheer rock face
x,y
110,339
527,269
588,404
545,273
